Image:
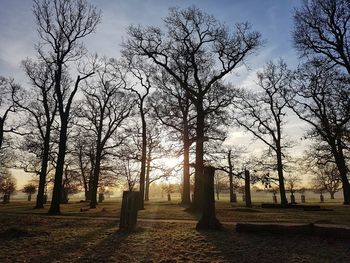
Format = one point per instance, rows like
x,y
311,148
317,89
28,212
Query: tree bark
x,y
96,175
148,171
248,199
342,168
282,189
198,185
143,158
57,189
43,170
186,192
1,131
230,174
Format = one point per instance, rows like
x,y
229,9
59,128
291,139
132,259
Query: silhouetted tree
x,y
7,184
172,107
29,189
327,178
41,105
103,111
292,182
61,26
197,51
225,161
83,154
322,29
320,96
142,72
263,113
8,89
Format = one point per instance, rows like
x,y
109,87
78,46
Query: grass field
x,y
28,235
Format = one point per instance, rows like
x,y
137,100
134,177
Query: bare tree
x,y
7,184
320,96
226,161
322,29
327,178
40,104
142,72
83,154
197,51
173,109
8,89
61,26
263,114
103,111
29,189
292,183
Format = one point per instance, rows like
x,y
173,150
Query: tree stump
x,y
208,219
129,209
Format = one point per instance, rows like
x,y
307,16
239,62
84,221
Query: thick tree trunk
x,y
342,168
57,188
332,195
43,171
248,199
282,189
96,175
208,218
198,185
186,191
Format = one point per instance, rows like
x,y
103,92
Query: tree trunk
x,y
198,185
43,170
332,195
230,174
1,131
282,189
186,192
248,199
208,218
148,171
342,168
57,188
96,175
143,159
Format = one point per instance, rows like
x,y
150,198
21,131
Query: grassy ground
x,y
338,214
28,235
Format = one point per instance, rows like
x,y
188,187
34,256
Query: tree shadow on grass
x,y
74,245
108,248
230,246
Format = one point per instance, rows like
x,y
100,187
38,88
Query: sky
x,y
272,18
